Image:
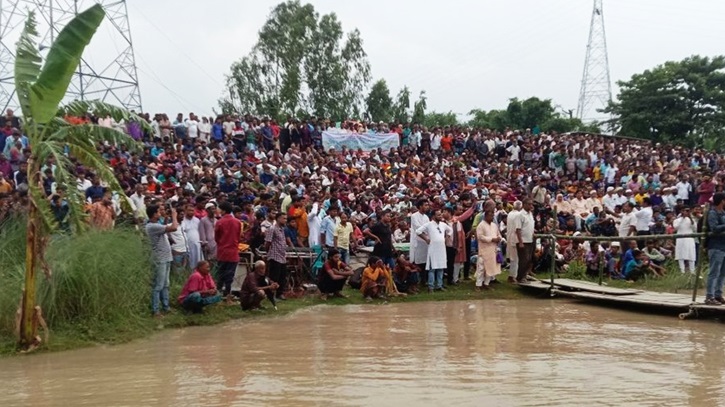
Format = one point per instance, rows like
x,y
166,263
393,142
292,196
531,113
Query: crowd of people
x,y
466,202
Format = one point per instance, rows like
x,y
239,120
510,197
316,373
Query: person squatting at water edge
x,y
199,290
256,287
241,171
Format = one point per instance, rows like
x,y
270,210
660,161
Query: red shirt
x,y
227,232
196,282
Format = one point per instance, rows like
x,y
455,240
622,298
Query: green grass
x,y
672,282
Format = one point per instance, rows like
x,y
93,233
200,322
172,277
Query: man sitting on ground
x,y
255,287
199,290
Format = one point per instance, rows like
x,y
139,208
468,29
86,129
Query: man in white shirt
x,y
192,127
683,189
511,251
524,234
190,227
139,204
669,199
610,200
434,234
644,219
628,221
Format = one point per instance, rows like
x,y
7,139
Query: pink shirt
x,y
196,282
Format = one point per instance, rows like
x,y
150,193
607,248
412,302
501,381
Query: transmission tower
x,y
596,86
107,70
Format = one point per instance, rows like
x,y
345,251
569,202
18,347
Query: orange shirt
x,y
447,143
303,229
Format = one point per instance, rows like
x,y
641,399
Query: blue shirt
x,y
631,265
328,228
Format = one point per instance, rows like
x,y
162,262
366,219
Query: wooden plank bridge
x,y
670,303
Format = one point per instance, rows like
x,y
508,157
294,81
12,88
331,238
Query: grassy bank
x,y
100,291
78,335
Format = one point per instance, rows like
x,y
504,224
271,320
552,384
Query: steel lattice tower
x,y
107,71
596,86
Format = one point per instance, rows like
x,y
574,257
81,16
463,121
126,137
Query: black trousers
x,y
423,274
526,260
640,242
225,276
467,264
450,259
278,274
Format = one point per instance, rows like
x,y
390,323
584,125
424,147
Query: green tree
x,y
379,103
402,104
301,62
436,119
419,108
680,101
40,90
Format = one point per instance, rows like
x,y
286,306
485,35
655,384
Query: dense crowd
x,y
449,204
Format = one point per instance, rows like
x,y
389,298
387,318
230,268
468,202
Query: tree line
x,y
304,64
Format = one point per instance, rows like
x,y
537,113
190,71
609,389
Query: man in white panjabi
x,y
685,249
190,227
489,237
434,233
418,246
511,252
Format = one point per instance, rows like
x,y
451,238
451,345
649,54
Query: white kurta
x,y
511,240
436,232
684,248
418,246
487,249
190,227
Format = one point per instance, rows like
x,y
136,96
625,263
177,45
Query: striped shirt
x,y
277,244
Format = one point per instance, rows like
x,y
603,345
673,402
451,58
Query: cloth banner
x,y
354,141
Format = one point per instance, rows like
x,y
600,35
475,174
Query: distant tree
x,y
419,108
402,104
678,101
379,103
281,76
436,119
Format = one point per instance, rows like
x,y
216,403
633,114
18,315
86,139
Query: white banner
x,y
354,141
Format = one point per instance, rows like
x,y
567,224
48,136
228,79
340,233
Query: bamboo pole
x,y
703,253
553,248
601,266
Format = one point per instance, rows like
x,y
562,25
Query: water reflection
x,y
528,352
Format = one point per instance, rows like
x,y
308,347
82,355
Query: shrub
x,y
99,279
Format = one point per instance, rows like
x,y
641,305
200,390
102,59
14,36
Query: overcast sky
x,y
465,53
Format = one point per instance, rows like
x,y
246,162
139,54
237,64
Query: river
x,y
471,353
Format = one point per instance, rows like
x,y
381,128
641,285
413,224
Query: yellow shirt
x,y
342,233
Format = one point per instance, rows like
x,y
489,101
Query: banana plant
x,y
41,85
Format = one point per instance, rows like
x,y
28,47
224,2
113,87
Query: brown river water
x,y
470,353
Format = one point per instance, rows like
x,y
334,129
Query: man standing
x,y
327,229
190,227
644,219
139,203
227,232
434,234
524,228
160,255
511,251
418,247
343,238
206,232
716,250
102,215
383,236
275,244
488,236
